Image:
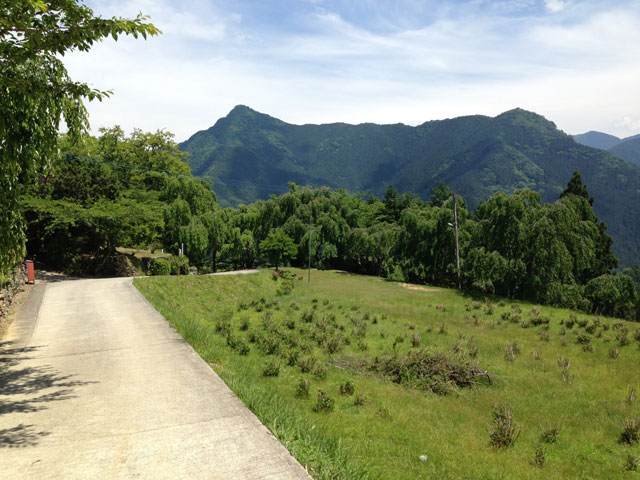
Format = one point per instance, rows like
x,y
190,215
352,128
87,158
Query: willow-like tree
x,y
278,246
36,93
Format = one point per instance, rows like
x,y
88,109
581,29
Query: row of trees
x,y
137,191
512,245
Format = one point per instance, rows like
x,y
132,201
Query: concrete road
x,y
94,383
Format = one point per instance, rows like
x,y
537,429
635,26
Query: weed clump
x,y
538,456
430,371
242,348
307,316
302,389
564,364
324,403
623,340
348,388
505,432
292,357
511,351
415,340
398,340
630,434
270,344
320,372
632,464
244,324
271,369
631,395
306,364
360,400
549,435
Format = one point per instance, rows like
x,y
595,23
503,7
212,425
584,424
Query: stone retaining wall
x,y
18,279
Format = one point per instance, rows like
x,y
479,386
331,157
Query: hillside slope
x,y
255,155
628,149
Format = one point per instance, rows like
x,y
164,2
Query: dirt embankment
x,y
419,287
12,295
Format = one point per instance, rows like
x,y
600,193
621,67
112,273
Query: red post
x,y
31,273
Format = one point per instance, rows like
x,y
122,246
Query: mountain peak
x,y
241,110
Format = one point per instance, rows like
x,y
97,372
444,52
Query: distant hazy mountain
x,y
251,155
625,148
600,140
629,149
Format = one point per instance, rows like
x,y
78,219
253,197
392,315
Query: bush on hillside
x,y
179,265
160,266
613,295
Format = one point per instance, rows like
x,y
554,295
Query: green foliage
x,y
514,245
278,246
160,266
613,295
324,403
88,202
37,94
179,265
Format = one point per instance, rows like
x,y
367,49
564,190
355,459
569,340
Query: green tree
x,y
37,93
278,246
613,295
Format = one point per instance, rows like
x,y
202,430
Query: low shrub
x,y
632,464
538,456
179,265
306,364
160,266
320,372
505,431
271,369
347,388
324,403
302,389
630,434
549,435
429,371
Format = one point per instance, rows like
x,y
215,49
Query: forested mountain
x,y
250,155
628,149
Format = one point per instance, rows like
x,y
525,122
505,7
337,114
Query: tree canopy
x,y
37,93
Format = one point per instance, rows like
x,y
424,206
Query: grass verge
x,y
368,376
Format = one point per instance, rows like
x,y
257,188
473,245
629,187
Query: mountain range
x,y
251,155
626,148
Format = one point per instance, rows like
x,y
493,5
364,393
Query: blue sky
x,y
316,61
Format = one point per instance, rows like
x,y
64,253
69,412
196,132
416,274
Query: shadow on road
x,y
28,389
52,277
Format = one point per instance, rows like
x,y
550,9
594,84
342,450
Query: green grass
x,y
386,437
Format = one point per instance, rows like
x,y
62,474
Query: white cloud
x,y
555,6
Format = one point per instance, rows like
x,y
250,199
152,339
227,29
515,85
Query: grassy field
x,y
570,383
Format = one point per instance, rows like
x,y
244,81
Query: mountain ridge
x,y
256,155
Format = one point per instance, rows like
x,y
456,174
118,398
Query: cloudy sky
x,y
577,62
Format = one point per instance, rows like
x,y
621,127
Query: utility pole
x,y
455,225
309,274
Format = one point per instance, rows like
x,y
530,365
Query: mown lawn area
x,y
372,347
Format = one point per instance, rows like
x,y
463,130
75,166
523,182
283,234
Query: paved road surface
x,y
101,386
